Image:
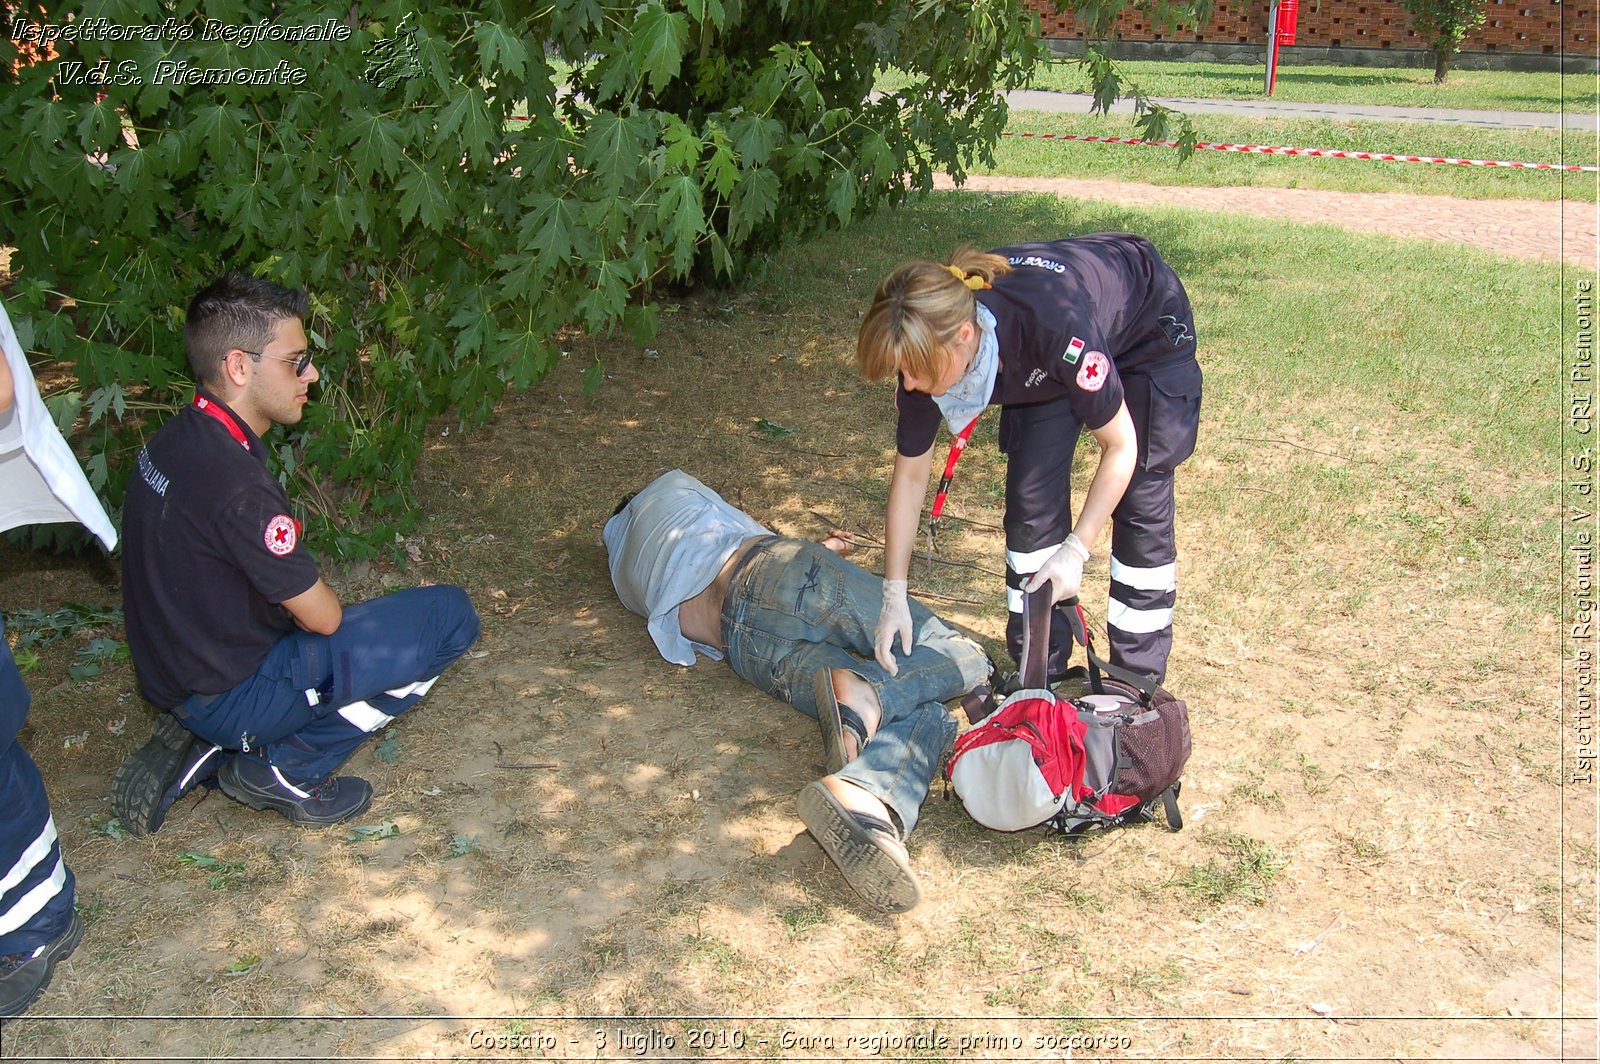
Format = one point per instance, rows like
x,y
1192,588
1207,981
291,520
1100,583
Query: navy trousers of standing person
x,y
317,697
1039,441
36,888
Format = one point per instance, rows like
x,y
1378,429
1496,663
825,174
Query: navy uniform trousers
x,y
36,889
1039,440
317,697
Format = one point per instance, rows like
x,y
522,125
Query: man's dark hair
x,y
236,310
626,499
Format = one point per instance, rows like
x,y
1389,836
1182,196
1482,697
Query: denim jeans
x,y
795,607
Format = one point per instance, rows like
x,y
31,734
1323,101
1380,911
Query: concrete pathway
x,y
1549,230
1079,103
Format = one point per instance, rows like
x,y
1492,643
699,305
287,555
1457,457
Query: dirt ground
x,y
595,853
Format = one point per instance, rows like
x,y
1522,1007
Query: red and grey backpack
x,y
1110,757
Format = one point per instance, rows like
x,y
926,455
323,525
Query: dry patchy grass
x,y
1370,801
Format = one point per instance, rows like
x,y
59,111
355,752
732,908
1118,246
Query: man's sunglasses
x,y
300,364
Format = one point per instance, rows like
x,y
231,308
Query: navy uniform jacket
x,y
1072,317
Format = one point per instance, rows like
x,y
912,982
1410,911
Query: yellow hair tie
x,y
977,284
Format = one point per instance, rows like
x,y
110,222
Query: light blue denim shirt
x,y
665,547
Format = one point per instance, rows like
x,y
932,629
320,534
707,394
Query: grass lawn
x,y
1056,158
1367,639
1493,90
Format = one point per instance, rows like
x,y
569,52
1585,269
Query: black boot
x,y
260,786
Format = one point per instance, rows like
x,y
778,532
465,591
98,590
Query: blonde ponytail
x,y
917,311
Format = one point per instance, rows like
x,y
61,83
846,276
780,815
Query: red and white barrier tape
x,y
1326,153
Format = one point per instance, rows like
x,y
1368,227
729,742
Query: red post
x,y
1288,20
1280,29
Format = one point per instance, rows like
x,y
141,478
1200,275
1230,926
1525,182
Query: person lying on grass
x,y
796,619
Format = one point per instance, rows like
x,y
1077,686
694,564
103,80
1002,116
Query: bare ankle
x,y
854,691
855,797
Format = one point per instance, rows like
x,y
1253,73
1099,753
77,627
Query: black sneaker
x,y
260,786
23,976
169,765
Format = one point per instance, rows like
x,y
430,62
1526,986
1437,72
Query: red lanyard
x,y
206,406
957,446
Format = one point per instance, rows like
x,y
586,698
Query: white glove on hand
x,y
894,619
1063,571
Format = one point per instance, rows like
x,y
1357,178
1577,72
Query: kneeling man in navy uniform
x,y
231,627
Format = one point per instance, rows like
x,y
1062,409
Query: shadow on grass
x,y
636,851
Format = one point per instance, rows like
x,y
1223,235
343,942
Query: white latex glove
x,y
894,619
1063,570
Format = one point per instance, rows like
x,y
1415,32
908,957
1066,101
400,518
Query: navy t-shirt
x,y
209,551
1071,318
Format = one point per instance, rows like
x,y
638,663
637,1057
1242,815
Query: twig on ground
x,y
379,1010
1303,447
1311,944
526,764
868,541
921,594
925,556
861,540
970,521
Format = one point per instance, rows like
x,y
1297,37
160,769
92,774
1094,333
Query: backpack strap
x,y
1075,821
979,703
1144,684
1036,639
1169,802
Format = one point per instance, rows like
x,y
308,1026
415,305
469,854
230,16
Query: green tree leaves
x,y
448,205
681,215
500,52
659,39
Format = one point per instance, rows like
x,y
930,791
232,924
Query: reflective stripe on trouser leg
x,y
1143,575
36,886
419,689
1038,441
1020,565
36,877
287,784
369,718
385,656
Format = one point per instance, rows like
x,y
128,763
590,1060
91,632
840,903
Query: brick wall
x,y
1529,26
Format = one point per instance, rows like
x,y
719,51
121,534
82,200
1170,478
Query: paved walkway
x,y
1078,103
1547,230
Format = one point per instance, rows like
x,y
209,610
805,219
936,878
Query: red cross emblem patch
x,y
283,532
1092,374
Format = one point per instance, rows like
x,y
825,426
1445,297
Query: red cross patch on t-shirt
x,y
283,532
1092,374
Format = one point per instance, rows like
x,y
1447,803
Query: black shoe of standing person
x,y
169,765
255,784
23,976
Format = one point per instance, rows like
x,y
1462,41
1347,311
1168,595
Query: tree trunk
x,y
1441,65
